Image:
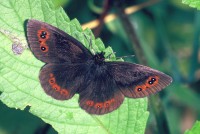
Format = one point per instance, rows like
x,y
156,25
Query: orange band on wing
x,y
105,104
150,82
43,36
56,87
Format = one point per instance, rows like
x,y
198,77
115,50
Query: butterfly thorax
x,y
99,58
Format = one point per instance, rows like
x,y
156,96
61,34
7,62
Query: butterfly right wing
x,y
137,81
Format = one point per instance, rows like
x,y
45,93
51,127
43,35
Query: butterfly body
x,y
71,68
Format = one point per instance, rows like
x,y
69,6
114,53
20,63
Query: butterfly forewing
x,y
137,81
51,45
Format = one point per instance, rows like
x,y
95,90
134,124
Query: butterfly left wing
x,y
136,81
61,81
52,45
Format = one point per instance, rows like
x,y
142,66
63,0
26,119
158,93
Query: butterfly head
x,y
99,58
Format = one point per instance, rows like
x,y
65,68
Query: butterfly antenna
x,y
126,56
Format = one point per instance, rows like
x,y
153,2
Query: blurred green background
x,y
168,32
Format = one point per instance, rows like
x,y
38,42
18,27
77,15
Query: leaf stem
x,y
131,33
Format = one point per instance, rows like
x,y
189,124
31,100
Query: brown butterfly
x,y
71,68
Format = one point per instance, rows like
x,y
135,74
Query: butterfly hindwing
x,y
51,45
136,81
99,94
61,81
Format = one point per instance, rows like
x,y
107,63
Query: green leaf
x,y
58,3
192,3
20,85
195,129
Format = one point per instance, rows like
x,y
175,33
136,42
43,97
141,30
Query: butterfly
x,y
72,69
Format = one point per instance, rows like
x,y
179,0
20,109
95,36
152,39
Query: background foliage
x,y
168,32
